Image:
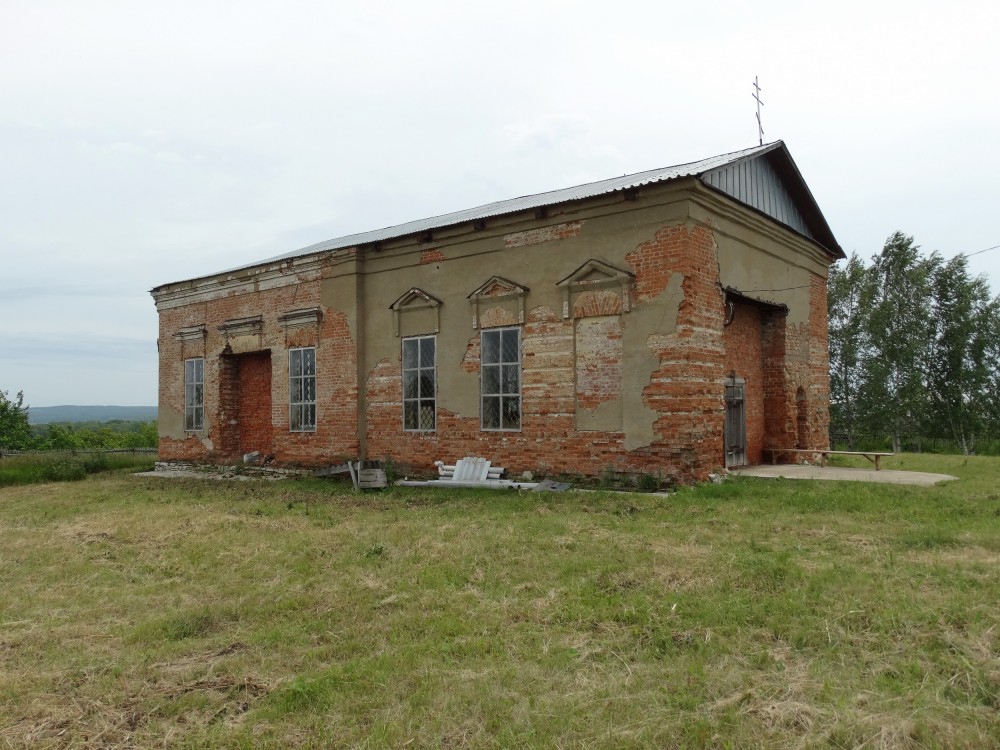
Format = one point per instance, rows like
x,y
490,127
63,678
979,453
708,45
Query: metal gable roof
x,y
782,159
527,202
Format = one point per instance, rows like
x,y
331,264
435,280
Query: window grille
x,y
302,389
500,378
419,383
194,394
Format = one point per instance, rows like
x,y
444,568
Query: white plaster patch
x,y
545,234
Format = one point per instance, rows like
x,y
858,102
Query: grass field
x,y
196,613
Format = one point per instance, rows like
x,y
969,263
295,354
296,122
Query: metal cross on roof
x,y
756,95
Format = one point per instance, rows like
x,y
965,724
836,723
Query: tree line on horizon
x,y
17,434
914,349
914,354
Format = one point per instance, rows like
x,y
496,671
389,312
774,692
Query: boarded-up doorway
x,y
598,346
255,402
245,397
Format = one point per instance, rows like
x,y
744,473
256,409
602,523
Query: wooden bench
x,y
873,456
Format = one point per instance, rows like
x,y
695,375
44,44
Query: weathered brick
x,y
563,372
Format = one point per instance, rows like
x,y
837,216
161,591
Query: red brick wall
x,y
685,390
684,393
796,356
337,394
818,391
255,419
744,341
548,440
431,255
775,402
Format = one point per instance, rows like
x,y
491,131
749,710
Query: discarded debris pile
x,y
473,471
365,475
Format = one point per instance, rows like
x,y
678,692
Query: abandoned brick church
x,y
668,322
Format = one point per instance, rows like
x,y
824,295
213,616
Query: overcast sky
x,y
144,142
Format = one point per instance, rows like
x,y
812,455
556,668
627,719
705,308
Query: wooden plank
x,y
830,452
859,453
327,471
488,484
874,457
369,479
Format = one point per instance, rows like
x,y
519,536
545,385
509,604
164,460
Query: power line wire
x,y
969,255
783,289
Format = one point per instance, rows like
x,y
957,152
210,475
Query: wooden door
x,y
735,425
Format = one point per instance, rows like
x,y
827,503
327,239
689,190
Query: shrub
x,y
63,467
63,471
95,462
648,483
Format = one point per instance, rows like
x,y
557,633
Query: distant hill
x,y
48,414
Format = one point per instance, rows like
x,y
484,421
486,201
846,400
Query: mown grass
x,y
68,467
756,613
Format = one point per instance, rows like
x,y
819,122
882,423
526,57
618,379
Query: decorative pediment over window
x,y
412,300
308,316
596,275
500,290
192,333
242,326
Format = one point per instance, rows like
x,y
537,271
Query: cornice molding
x,y
307,316
244,281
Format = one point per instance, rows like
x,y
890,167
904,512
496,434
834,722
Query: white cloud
x,y
149,142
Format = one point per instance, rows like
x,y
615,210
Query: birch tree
x,y
899,333
848,300
964,353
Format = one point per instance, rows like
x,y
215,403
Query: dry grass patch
x,y
141,612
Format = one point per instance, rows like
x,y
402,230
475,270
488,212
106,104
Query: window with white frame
x,y
302,389
194,394
419,383
500,378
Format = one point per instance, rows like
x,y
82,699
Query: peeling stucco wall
x,y
622,364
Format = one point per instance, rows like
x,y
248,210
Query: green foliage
x,y
66,467
648,483
114,435
65,470
846,296
900,330
914,349
180,626
965,354
14,431
391,472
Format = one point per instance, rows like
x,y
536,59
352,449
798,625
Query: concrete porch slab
x,y
841,474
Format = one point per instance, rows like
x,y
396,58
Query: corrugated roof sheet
x,y
526,202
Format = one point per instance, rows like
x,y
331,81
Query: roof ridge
x,y
486,210
520,203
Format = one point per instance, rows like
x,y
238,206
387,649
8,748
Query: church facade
x,y
670,322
